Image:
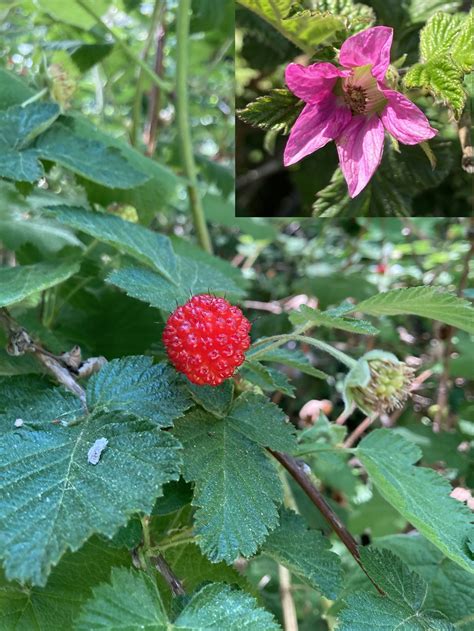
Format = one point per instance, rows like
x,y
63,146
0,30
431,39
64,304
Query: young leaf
x,y
305,553
191,278
277,111
426,302
305,315
419,494
402,606
146,246
225,457
450,587
18,283
446,55
215,399
135,385
215,606
306,29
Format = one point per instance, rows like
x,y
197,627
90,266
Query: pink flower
x,y
353,106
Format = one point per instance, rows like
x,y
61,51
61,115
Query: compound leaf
x,y
276,111
306,315
225,457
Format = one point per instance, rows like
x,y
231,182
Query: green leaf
x,y
421,495
306,315
73,13
420,11
20,166
306,29
225,457
13,90
357,16
266,378
462,49
277,110
443,77
56,605
191,278
18,283
426,302
19,126
402,606
450,587
305,553
446,54
148,247
215,399
215,606
91,159
134,385
48,478
293,358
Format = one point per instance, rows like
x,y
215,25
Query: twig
x,y
298,474
287,603
167,573
464,133
443,387
20,343
359,430
155,95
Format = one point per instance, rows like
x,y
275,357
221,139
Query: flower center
x,y
361,92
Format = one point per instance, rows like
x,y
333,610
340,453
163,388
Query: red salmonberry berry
x,y
206,339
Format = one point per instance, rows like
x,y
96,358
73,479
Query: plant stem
x,y
126,48
279,340
299,475
184,127
137,102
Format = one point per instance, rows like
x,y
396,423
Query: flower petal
x,y
360,148
404,120
371,46
317,125
312,83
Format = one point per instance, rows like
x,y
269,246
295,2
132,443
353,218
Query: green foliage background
x,y
96,249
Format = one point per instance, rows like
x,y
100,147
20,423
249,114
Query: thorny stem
x,y
184,128
298,474
126,49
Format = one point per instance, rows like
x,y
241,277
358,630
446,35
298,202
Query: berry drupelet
x,y
206,339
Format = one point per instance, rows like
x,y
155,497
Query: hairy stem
x,y
184,127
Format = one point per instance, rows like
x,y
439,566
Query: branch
x,y
464,133
298,474
167,573
287,602
65,368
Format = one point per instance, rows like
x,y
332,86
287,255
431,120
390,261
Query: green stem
x,y
126,48
279,340
36,97
137,102
184,128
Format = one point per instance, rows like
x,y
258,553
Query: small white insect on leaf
x,y
19,422
95,452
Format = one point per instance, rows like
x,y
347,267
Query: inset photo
x,y
354,109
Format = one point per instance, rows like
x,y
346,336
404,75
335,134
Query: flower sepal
x,y
378,383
